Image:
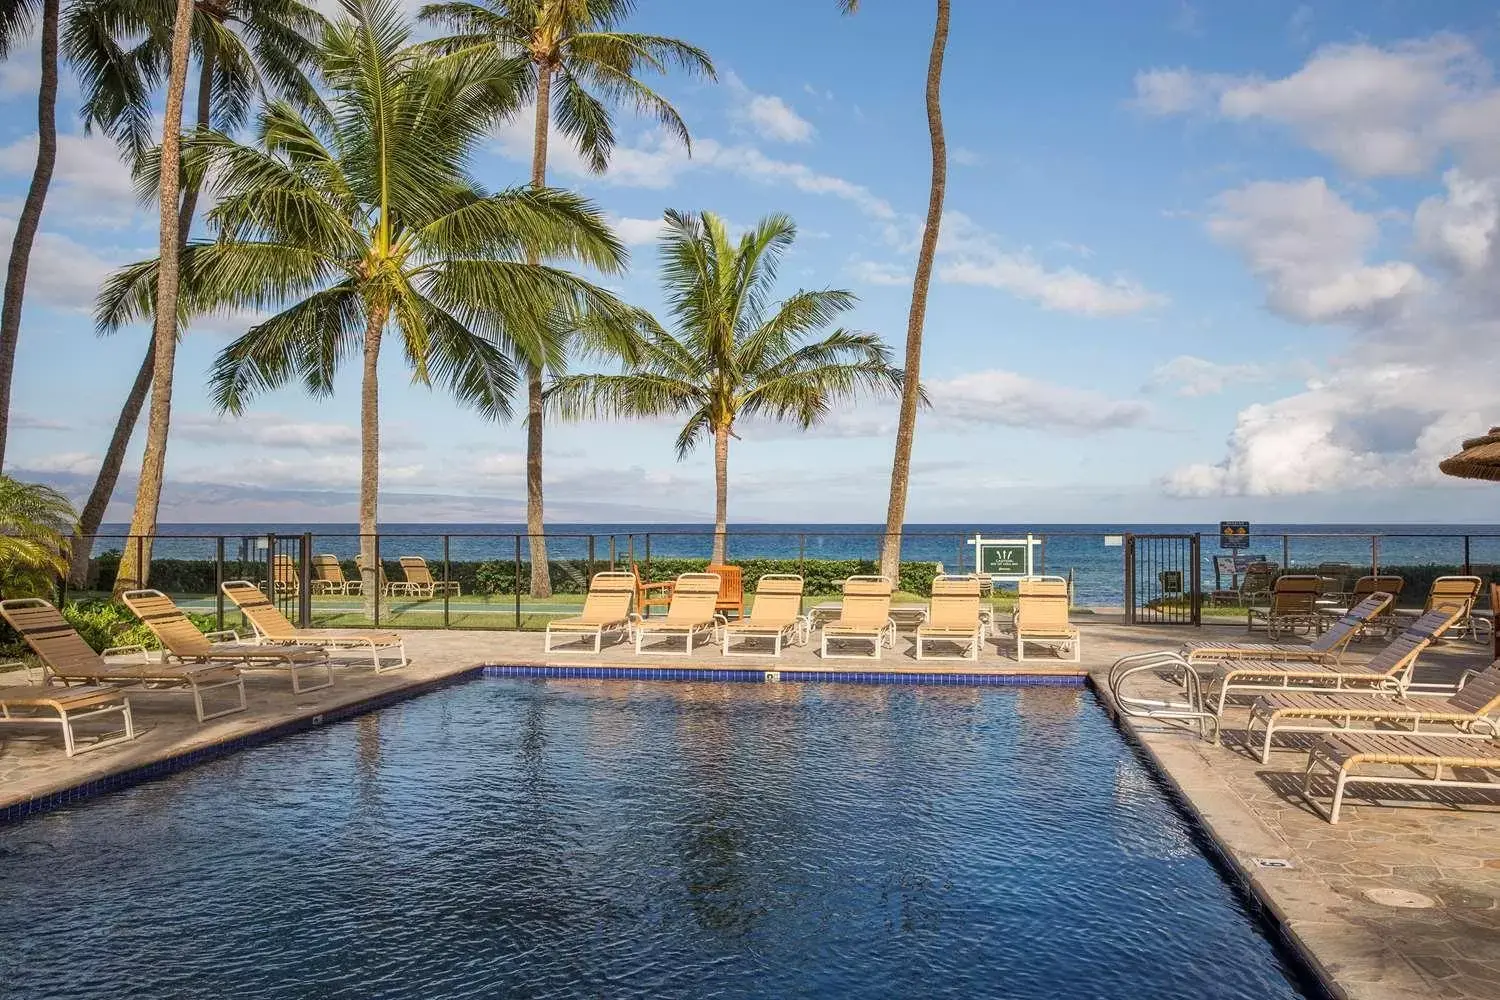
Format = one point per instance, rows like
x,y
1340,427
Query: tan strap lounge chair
x,y
1042,617
1470,712
389,588
1433,761
650,595
1460,590
423,584
731,589
690,614
1293,605
864,616
64,707
1326,648
1387,583
67,658
606,608
181,641
776,615
1388,671
953,618
284,576
328,577
272,628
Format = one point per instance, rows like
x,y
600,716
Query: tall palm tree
x,y
363,219
245,49
737,354
34,523
16,17
911,399
575,43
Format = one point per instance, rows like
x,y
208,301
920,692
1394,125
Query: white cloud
x,y
1009,399
1459,228
1189,376
1175,91
27,422
1308,246
89,183
873,272
965,157
62,273
637,232
767,115
78,462
277,431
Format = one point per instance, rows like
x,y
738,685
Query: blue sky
x,y
1199,261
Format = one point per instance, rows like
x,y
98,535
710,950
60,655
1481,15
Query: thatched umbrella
x,y
1480,459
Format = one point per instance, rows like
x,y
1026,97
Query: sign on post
x,y
1234,534
1005,560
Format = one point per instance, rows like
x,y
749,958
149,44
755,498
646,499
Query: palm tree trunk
x,y
130,412
906,427
541,573
369,461
721,494
31,214
134,572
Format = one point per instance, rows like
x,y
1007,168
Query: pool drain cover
x,y
1403,898
1271,862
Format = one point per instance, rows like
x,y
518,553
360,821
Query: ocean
x,y
1090,553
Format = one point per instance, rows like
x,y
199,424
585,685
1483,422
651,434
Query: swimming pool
x,y
530,838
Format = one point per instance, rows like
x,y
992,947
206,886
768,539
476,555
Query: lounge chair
x,y
1460,590
1470,712
284,576
1388,671
67,658
690,614
1293,604
1328,647
864,615
181,641
1346,757
272,628
731,589
421,581
328,577
606,608
1042,617
1387,583
953,617
389,588
64,707
650,595
776,615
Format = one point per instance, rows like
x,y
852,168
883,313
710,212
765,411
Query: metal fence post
x,y
1374,555
646,573
802,553
379,575
611,553
271,567
588,569
518,583
1468,571
140,565
1129,579
1286,553
304,583
219,583
446,586
1196,549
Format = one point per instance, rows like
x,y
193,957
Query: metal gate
x,y
288,574
1163,580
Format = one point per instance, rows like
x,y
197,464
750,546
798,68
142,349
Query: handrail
x,y
1152,708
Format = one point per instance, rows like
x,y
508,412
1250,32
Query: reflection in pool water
x,y
574,838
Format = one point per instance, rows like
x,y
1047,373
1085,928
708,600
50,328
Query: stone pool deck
x,y
1334,903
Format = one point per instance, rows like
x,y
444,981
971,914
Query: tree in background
x,y
363,219
737,354
35,521
574,43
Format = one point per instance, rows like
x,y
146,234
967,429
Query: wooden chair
x,y
651,595
731,589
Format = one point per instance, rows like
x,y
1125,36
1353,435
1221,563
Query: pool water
x,y
510,838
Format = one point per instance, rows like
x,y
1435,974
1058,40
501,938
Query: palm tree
x,y
245,49
575,42
363,219
737,353
911,398
34,523
15,20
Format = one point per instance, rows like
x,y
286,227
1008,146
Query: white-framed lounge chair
x,y
1461,590
1452,763
66,658
389,588
421,581
1376,583
864,616
182,642
1042,617
271,627
1388,671
776,616
1329,647
1293,604
690,614
65,707
606,609
328,577
284,576
953,618
1469,713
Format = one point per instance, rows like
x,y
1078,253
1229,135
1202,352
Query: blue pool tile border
x,y
757,675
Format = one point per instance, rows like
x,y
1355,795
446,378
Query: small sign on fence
x,y
1234,534
1006,559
